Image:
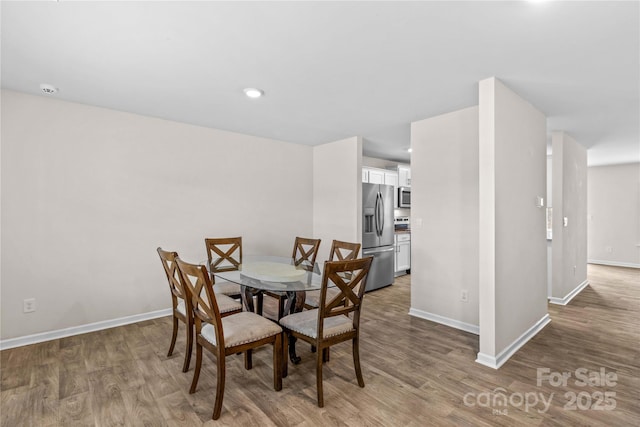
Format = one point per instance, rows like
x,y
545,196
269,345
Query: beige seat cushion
x,y
226,288
306,323
313,297
227,304
242,328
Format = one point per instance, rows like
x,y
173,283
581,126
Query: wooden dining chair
x,y
304,254
340,251
224,254
337,319
181,304
224,336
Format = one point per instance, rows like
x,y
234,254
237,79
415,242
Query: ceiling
x,y
332,70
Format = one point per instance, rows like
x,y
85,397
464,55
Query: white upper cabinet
x,y
379,176
391,178
404,176
376,176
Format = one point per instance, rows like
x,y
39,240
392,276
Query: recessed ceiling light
x,y
48,89
252,92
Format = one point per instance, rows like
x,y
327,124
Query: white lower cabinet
x,y
403,254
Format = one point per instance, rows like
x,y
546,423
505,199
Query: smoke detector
x,y
48,89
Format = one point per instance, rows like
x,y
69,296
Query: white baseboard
x,y
613,263
467,327
82,329
570,295
496,361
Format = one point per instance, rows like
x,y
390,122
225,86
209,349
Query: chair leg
x,y
319,378
259,303
196,372
325,354
173,336
189,349
248,359
277,363
217,408
356,361
313,348
285,353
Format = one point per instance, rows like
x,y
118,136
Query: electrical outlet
x,y
608,249
464,295
29,305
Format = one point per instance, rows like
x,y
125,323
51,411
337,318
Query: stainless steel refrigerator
x,y
377,233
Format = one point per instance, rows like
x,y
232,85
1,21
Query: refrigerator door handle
x,y
381,214
377,214
377,251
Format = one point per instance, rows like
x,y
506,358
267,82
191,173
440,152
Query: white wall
x,y
614,215
337,193
88,194
513,252
374,162
444,162
569,246
549,181
549,202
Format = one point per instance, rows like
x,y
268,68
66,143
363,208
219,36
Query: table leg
x,y
247,298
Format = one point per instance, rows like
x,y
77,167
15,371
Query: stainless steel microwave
x,y
404,197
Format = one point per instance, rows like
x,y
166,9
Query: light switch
x,y
565,221
539,202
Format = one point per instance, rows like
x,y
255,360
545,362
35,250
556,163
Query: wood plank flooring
x,y
416,373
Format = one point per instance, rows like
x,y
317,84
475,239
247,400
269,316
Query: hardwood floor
x,y
416,373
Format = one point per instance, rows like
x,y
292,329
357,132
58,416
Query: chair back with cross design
x,y
340,251
343,251
204,305
305,252
349,278
224,254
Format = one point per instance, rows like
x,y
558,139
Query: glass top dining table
x,y
260,273
274,274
